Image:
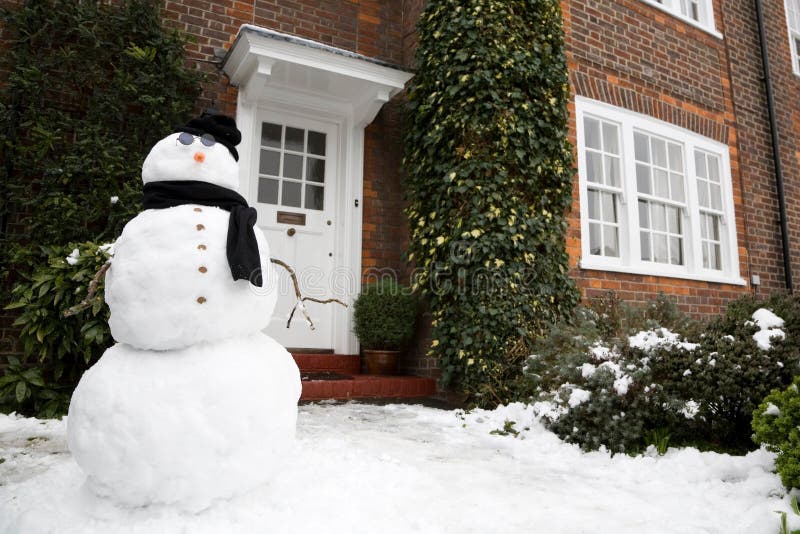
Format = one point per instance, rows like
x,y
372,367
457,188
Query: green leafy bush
x,y
597,386
57,349
776,424
384,315
489,181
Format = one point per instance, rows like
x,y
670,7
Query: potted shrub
x,y
384,315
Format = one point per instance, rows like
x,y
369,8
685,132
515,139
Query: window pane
x,y
271,135
675,158
675,251
706,256
315,197
315,170
609,208
704,226
643,179
674,220
641,147
702,193
292,166
659,152
268,191
716,257
715,192
714,227
659,216
644,243
661,183
295,138
594,205
291,194
594,167
591,133
713,169
269,163
610,241
676,186
316,143
660,248
610,138
594,239
700,165
644,214
612,171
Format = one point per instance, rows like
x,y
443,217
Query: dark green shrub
x,y
701,393
489,181
57,349
776,424
384,315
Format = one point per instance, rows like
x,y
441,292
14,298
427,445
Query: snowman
x,y
194,402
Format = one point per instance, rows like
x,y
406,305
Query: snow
x,y
622,384
184,426
578,396
690,409
360,468
173,161
769,328
772,410
114,199
73,257
648,340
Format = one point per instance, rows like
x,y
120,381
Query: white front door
x,y
293,187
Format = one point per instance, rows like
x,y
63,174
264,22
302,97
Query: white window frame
x,y
792,8
676,8
629,260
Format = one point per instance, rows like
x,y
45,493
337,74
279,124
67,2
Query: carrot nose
x,y
199,157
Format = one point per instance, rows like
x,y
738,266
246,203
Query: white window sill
x,y
691,22
600,265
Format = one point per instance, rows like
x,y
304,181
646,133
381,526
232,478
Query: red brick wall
x,y
634,56
750,103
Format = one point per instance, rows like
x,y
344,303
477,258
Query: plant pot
x,y
381,362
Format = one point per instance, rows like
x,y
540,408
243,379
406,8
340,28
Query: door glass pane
x,y
641,148
269,163
268,190
594,167
295,139
315,170
315,197
316,143
292,166
291,194
271,134
591,133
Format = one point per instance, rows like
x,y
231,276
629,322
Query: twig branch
x,y
300,298
90,295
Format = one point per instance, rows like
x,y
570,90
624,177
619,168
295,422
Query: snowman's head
x,y
203,150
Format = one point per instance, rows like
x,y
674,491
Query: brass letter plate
x,y
286,217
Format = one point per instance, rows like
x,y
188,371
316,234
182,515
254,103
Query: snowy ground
x,y
361,468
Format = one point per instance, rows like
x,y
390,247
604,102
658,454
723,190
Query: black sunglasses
x,y
185,138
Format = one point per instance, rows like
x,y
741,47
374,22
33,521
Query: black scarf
x,y
242,247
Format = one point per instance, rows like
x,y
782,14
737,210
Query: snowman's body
x,y
194,402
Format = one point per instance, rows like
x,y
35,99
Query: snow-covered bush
x,y
700,389
776,424
57,349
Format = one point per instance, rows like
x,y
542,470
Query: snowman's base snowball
x,y
184,427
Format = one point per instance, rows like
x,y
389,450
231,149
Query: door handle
x,y
290,232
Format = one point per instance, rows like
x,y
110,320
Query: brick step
x,y
368,387
346,364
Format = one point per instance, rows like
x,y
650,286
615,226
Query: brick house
x,y
676,186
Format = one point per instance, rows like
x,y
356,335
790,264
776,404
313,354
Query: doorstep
x,y
338,377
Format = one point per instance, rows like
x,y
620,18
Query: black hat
x,y
222,127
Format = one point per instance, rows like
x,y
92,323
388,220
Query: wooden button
x,y
201,300
202,269
201,247
200,227
198,209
